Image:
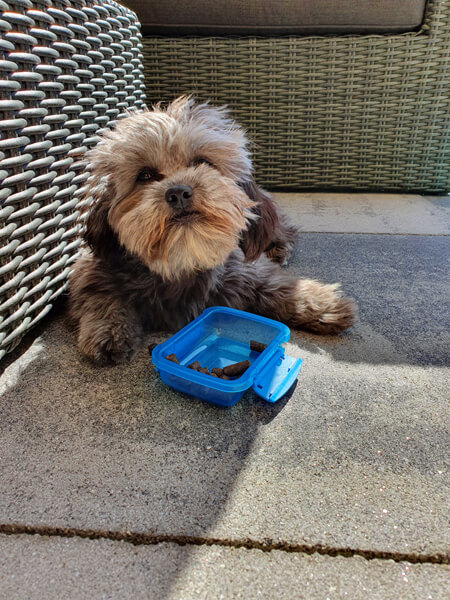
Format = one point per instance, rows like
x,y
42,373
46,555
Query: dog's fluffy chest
x,y
169,305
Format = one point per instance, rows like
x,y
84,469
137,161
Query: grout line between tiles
x,y
300,232
149,539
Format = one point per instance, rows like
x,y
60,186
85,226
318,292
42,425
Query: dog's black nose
x,y
179,196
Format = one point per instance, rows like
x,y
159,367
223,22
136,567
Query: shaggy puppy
x,y
176,225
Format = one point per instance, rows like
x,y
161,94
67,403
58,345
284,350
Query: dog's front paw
x,y
322,309
279,253
109,344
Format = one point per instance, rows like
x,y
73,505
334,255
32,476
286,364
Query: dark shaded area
x,y
400,284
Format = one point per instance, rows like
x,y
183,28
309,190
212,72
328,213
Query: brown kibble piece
x,y
218,372
224,377
195,365
204,370
257,346
173,358
236,369
213,374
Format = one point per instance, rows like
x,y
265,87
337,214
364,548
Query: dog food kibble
x,y
236,369
195,365
228,372
173,358
257,346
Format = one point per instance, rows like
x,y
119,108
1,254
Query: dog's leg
x,y
262,287
272,232
109,331
283,240
320,308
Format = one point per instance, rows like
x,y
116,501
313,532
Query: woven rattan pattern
x,y
69,68
355,112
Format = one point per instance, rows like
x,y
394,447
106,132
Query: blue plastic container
x,y
219,337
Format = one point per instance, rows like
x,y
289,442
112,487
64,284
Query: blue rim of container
x,y
273,352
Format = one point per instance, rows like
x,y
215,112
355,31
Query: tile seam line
x,y
300,232
149,539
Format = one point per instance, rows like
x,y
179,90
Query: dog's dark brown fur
x,y
150,268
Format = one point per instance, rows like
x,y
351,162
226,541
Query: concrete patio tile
x,y
35,567
354,458
367,213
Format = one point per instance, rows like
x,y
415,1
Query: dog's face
x,y
174,188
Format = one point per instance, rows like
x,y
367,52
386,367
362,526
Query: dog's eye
x,y
147,174
201,160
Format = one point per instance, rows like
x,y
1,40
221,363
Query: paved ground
x,y
338,491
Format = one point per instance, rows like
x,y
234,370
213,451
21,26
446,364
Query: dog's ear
x,y
98,233
261,229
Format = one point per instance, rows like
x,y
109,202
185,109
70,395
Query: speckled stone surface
x,y
367,213
35,567
354,457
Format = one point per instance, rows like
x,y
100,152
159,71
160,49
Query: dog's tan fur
x,y
149,267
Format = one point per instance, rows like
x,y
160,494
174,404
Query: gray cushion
x,y
270,17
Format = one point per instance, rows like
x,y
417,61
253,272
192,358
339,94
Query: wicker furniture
x,y
275,17
69,68
358,112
